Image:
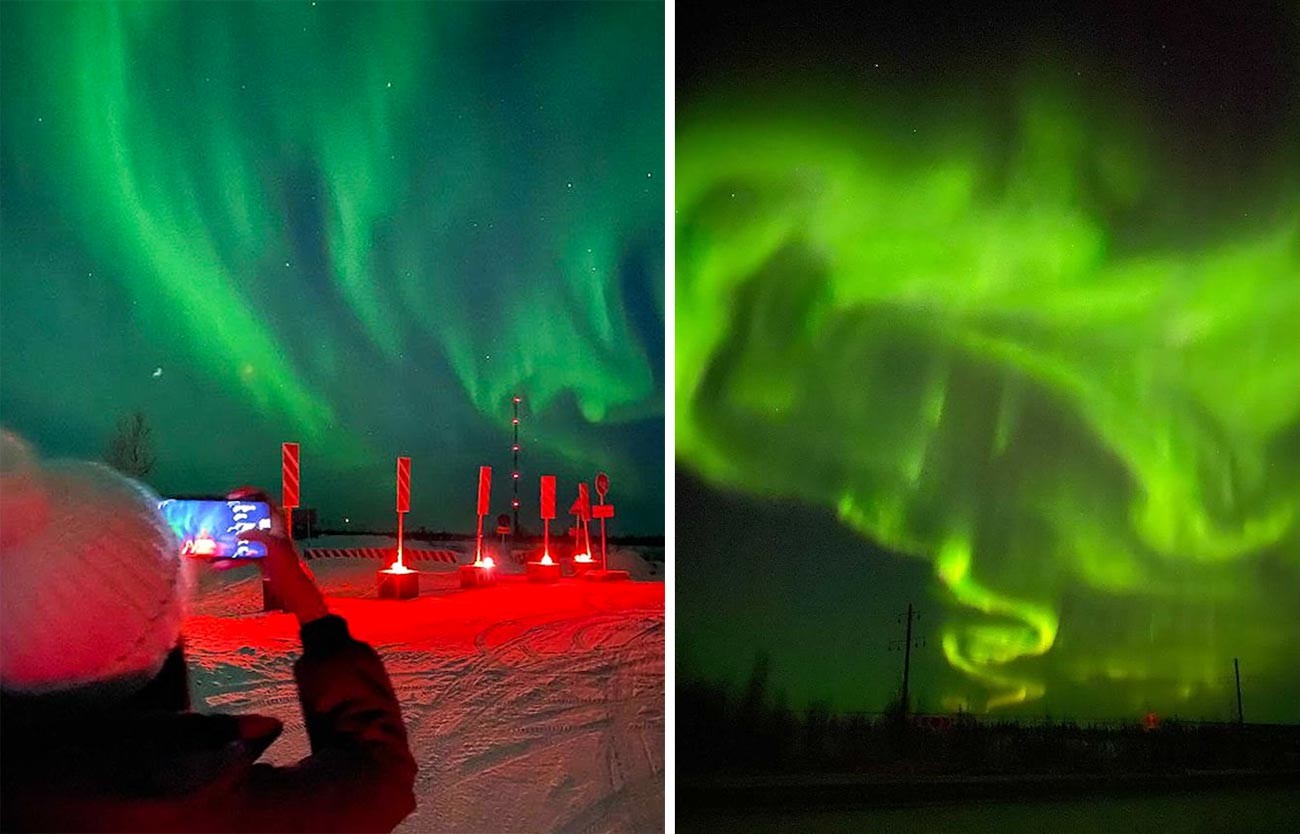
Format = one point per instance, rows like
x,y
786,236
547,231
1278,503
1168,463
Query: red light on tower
x,y
514,459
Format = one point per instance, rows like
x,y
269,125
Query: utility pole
x,y
1236,667
906,645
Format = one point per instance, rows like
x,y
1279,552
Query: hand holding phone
x,y
292,582
217,529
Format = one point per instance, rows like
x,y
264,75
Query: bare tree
x,y
130,449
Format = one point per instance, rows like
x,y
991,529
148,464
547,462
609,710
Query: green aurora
x,y
361,226
1012,341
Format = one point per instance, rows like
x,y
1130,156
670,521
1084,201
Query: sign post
x,y
603,511
503,530
581,508
288,500
479,572
545,569
403,501
484,500
289,483
399,581
548,513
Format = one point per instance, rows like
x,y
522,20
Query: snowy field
x,y
529,707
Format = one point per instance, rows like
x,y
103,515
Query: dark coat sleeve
x,y
360,774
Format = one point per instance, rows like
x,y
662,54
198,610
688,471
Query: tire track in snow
x,y
590,678
544,724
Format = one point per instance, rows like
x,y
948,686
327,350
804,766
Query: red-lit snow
x,y
530,707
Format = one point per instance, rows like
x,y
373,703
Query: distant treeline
x,y
425,535
724,730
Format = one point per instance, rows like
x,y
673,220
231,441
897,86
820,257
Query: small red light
x,y
515,421
488,562
514,448
546,559
515,503
516,475
516,399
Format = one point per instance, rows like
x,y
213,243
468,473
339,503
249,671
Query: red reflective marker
x,y
403,485
289,475
548,512
484,489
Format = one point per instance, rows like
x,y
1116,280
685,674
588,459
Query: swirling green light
x,y
1006,350
306,210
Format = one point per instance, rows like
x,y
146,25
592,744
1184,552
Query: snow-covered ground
x,y
529,707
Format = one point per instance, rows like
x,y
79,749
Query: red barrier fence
x,y
449,557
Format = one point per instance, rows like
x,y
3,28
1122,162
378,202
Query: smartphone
x,y
213,528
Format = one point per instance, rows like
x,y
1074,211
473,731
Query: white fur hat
x,y
91,581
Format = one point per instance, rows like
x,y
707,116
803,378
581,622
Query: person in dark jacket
x,y
96,733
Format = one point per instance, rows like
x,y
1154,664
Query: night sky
x,y
997,313
362,226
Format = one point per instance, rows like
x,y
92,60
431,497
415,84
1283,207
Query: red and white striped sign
x,y
548,496
289,474
582,507
484,489
403,485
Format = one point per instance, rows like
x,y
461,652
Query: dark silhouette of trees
x,y
130,449
743,729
